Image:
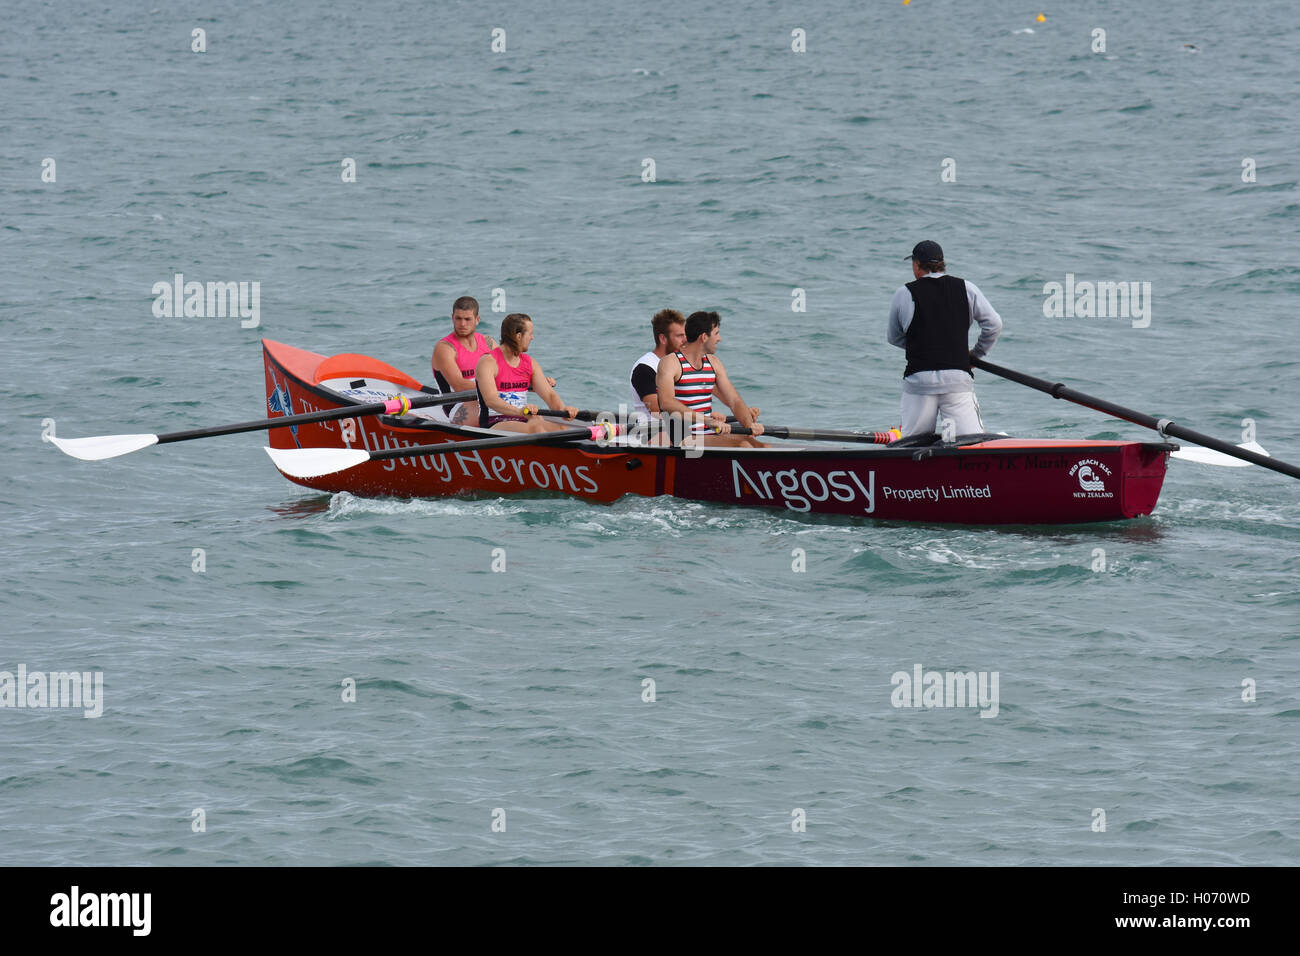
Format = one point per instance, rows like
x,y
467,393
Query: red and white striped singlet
x,y
695,388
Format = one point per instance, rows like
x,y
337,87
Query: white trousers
x,y
926,413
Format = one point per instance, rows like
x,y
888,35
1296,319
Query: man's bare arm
x,y
444,360
666,380
543,387
728,395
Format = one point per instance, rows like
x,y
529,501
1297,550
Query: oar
x,y
110,446
315,462
822,434
584,414
1165,426
1208,456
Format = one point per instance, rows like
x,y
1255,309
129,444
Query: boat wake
x,y
345,505
1234,512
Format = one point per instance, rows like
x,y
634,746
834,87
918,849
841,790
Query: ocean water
x,y
1123,651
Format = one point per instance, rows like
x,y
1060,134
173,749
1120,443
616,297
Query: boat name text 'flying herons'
x,y
505,470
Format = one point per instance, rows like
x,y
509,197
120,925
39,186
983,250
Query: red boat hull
x,y
1003,481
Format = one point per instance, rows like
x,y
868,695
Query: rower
x,y
687,380
669,329
456,356
509,373
931,317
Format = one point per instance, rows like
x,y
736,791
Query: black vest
x,y
938,335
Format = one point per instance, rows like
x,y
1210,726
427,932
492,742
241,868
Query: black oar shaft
x,y
507,440
584,414
822,434
351,411
1165,426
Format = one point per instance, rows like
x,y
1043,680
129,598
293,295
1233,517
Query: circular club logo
x,y
1092,476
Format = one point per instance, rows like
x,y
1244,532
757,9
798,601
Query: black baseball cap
x,y
926,251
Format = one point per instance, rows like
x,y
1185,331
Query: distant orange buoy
x,y
1041,18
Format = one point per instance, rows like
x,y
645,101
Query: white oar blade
x,y
1208,456
103,446
314,462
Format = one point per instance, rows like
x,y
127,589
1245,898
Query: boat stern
x,y
1143,466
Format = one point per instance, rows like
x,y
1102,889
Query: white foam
x,y
347,505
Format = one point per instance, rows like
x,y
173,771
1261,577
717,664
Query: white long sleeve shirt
x,y
938,381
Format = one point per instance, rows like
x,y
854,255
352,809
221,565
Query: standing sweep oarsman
x,y
930,317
